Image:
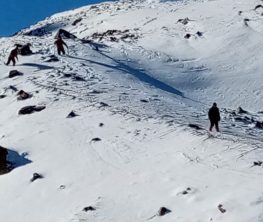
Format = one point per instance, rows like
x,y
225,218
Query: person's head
x,y
214,104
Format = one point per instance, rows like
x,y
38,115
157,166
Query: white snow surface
x,y
145,89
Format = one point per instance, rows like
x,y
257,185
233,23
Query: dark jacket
x,y
213,114
59,43
13,53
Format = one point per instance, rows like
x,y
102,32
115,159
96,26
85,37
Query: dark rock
x,y
257,163
22,95
258,6
221,209
102,104
76,21
245,119
187,36
14,73
144,100
2,96
89,208
113,39
163,211
259,125
62,187
115,35
66,75
96,91
200,34
36,176
241,111
78,78
184,21
184,192
195,126
25,49
30,109
3,155
101,124
13,88
240,12
96,139
52,58
246,20
72,114
65,34
39,108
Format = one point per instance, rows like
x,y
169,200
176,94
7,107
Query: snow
x,y
145,90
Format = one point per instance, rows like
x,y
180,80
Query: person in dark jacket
x,y
214,117
59,43
13,56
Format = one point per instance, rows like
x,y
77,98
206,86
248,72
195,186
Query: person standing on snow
x,y
214,117
59,43
13,56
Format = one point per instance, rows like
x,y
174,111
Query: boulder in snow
x,y
30,109
72,114
36,176
163,211
241,111
2,96
14,73
22,95
76,21
221,209
65,34
187,36
96,139
89,208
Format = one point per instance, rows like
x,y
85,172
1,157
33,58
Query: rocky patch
x,y
114,35
22,95
36,176
30,109
72,114
14,73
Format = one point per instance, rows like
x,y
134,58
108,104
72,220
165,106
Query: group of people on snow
x,y
25,49
213,114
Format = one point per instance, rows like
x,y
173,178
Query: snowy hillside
x,y
136,76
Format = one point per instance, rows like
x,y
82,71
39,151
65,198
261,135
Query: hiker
x,y
59,43
13,56
214,117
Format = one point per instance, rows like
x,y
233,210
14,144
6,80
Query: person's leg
x,y
217,127
58,49
14,61
63,51
8,61
211,125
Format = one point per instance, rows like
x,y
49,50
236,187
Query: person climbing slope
x,y
214,117
59,43
13,56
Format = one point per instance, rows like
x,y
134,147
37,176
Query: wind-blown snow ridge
x,y
136,76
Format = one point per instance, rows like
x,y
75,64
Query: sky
x,y
18,14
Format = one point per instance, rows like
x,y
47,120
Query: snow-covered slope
x,y
137,75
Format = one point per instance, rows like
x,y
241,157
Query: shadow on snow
x,y
135,72
38,66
